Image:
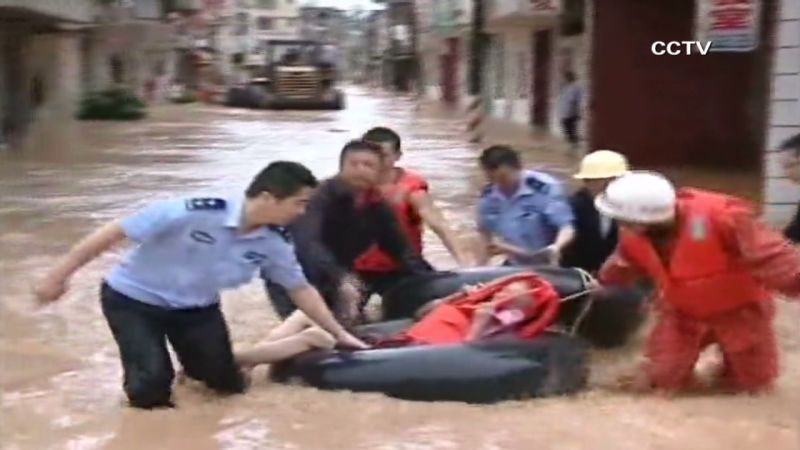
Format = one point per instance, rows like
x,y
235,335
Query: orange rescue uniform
x,y
715,288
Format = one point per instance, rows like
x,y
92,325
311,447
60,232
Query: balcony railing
x,y
81,11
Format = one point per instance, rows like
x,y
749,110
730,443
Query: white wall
x,y
517,69
513,65
780,195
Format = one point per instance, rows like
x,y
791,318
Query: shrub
x,y
112,104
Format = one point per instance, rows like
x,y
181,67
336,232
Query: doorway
x,y
540,83
449,63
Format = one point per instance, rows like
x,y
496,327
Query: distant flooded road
x,y
60,374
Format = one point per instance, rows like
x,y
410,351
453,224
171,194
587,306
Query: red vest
x,y
704,276
449,323
398,195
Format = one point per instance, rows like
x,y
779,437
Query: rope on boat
x,y
591,284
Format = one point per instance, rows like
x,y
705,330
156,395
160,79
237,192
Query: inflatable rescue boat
x,y
485,371
482,372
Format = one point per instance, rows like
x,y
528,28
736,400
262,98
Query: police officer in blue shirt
x,y
167,288
523,215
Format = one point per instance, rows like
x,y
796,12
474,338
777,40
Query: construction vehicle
x,y
299,77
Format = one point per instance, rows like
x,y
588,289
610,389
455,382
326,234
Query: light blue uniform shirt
x,y
190,249
531,217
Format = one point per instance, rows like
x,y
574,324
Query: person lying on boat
x,y
521,305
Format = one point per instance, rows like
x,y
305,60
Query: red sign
x,y
730,25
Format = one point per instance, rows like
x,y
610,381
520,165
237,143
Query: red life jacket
x,y
704,277
398,195
449,323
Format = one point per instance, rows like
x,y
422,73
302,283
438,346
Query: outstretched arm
x,y
53,286
143,226
770,257
618,269
433,217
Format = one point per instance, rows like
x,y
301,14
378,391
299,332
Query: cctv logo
x,y
675,48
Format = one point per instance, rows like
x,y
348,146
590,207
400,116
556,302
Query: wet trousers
x,y
744,336
570,127
199,337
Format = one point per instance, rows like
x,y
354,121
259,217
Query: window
x,y
265,23
267,4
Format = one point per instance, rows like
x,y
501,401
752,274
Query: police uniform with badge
x,y
167,288
530,218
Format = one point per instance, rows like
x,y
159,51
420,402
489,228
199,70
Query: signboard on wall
x,y
730,25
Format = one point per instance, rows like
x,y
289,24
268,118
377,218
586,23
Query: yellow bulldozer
x,y
301,74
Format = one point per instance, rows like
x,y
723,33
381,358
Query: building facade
x,y
40,66
522,75
376,41
54,52
444,46
780,195
700,116
321,23
355,54
133,46
274,19
401,64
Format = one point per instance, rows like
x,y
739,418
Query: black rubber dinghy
x,y
614,314
483,372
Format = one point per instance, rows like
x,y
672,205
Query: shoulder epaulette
x,y
205,204
537,185
283,232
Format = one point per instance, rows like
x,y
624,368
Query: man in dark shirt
x,y
346,215
792,168
595,234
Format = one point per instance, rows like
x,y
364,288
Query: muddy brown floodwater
x,y
60,374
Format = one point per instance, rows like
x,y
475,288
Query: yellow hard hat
x,y
602,164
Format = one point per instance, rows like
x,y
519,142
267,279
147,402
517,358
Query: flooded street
x,y
60,374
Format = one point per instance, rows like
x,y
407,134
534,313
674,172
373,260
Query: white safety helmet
x,y
638,197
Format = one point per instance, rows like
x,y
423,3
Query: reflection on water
x,y
60,373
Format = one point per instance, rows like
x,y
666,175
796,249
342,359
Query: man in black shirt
x,y
345,216
792,168
595,234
